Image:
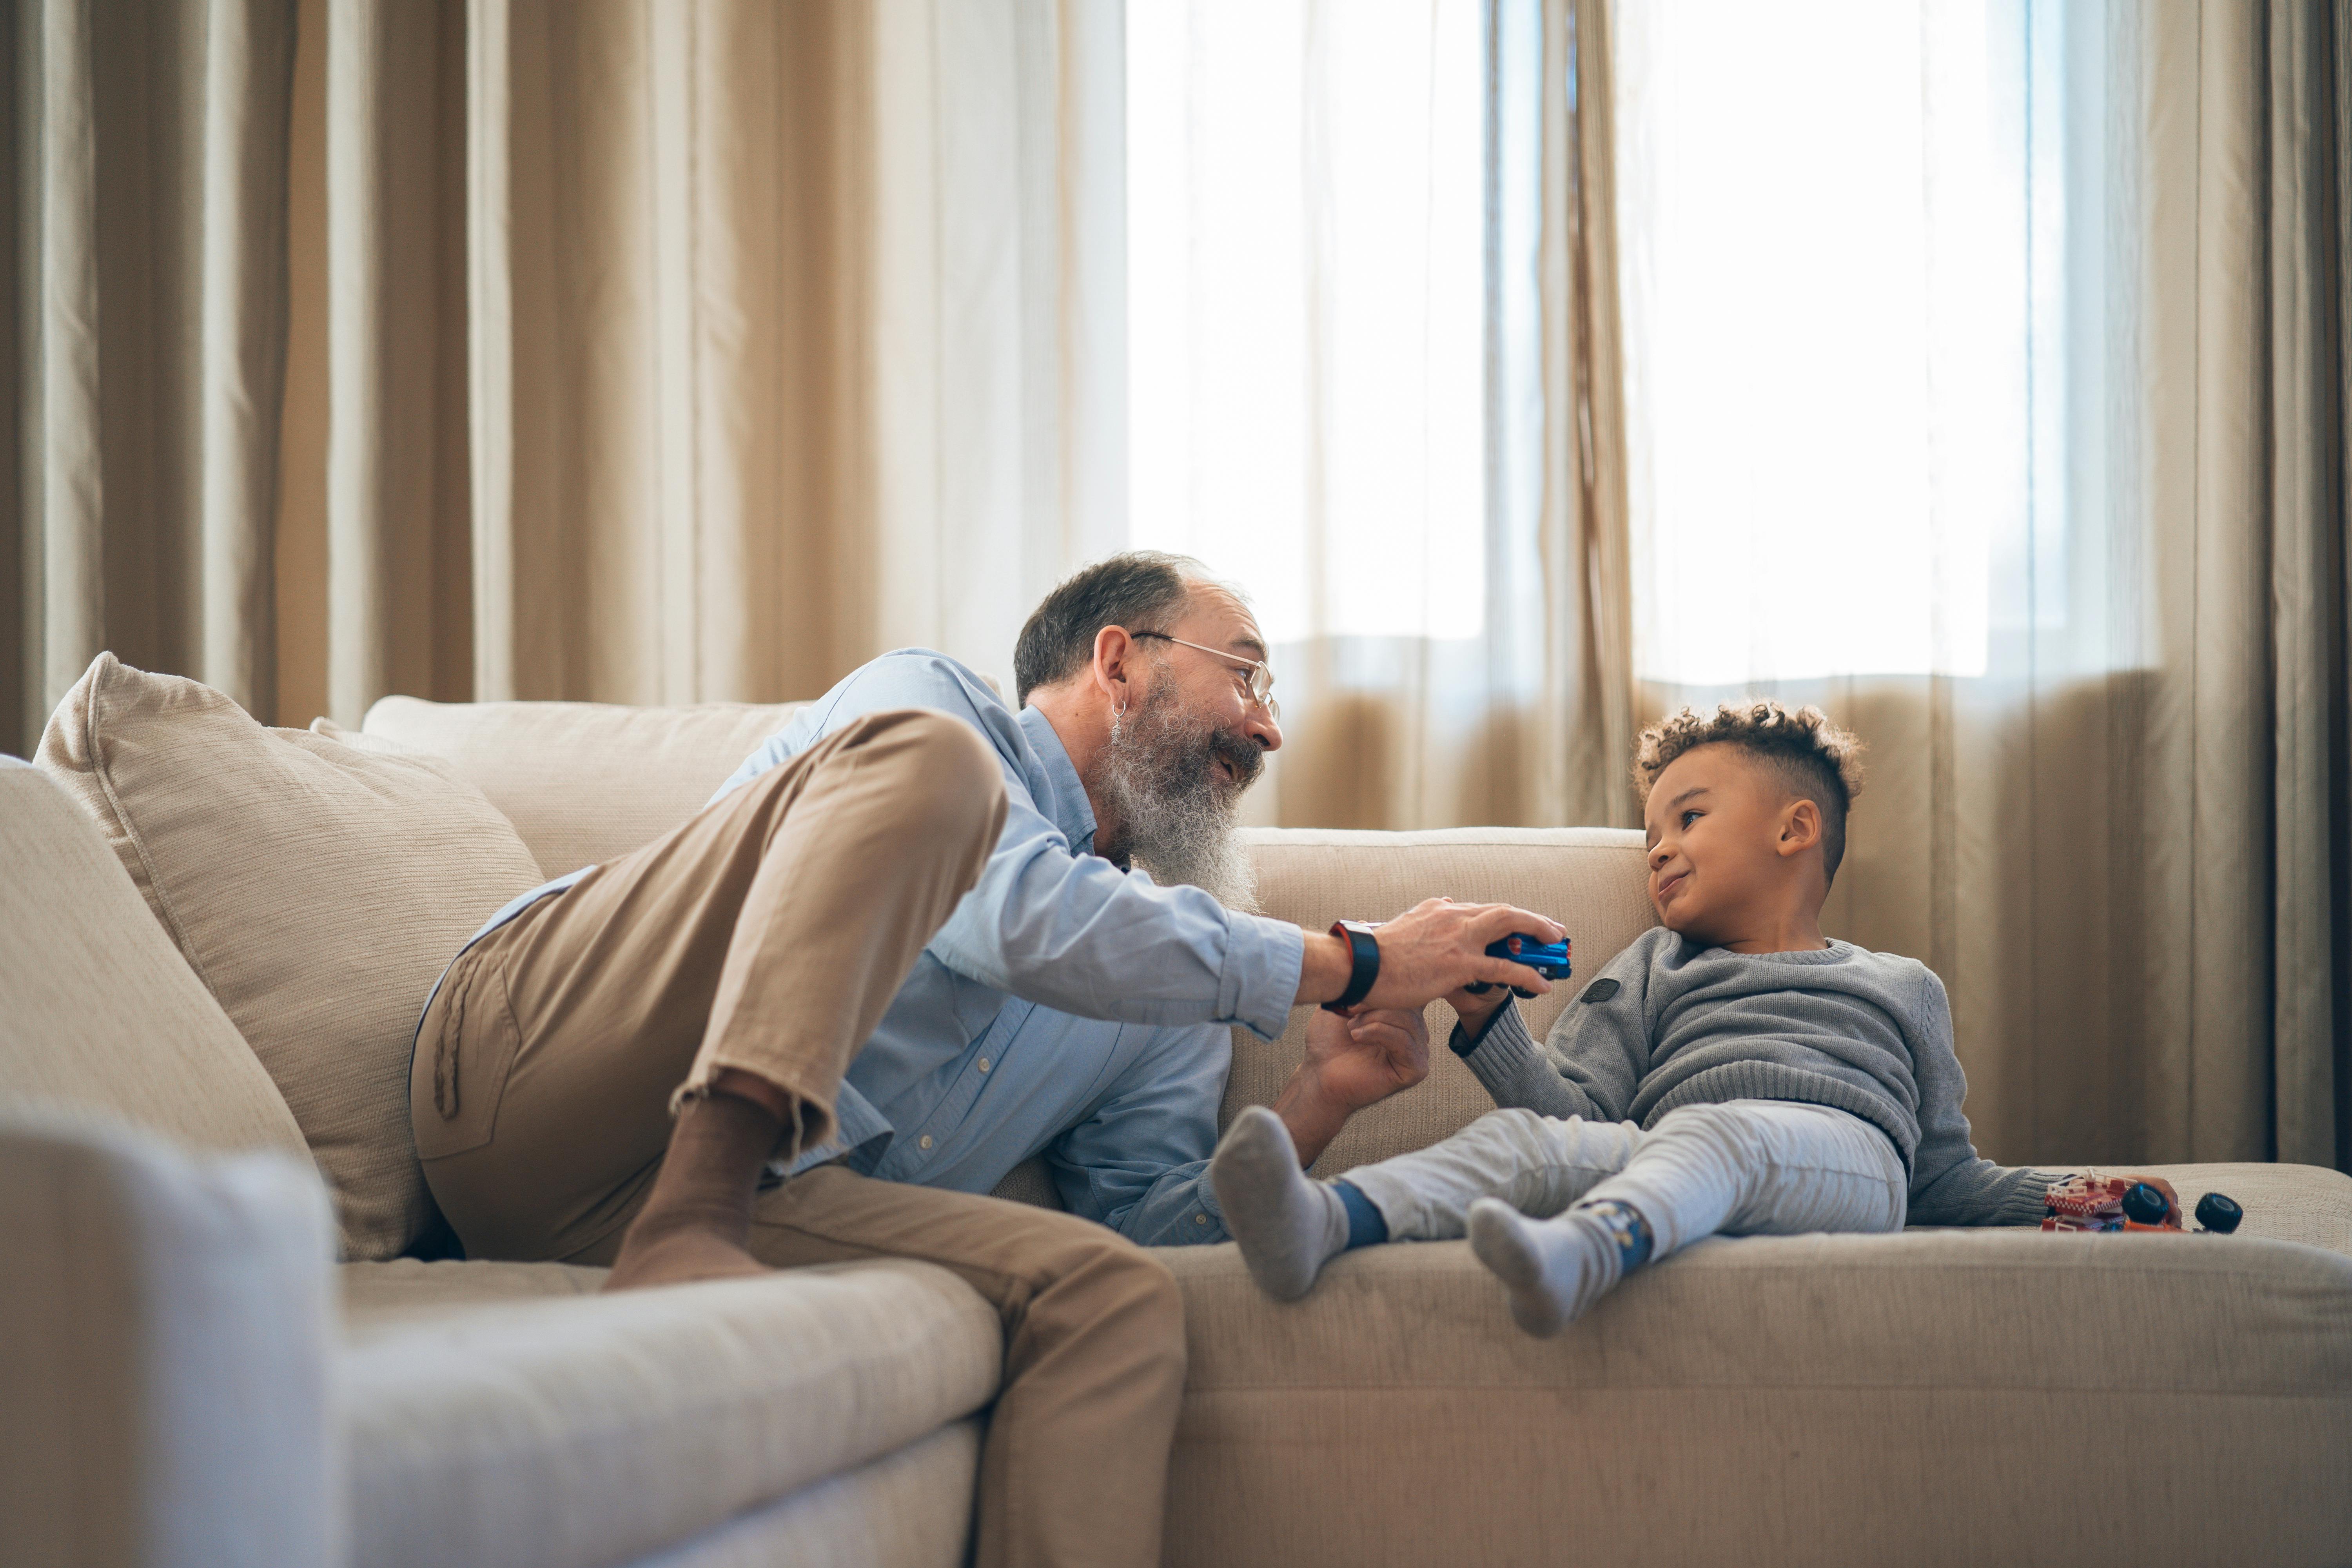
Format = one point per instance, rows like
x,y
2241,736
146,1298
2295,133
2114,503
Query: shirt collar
x,y
1070,810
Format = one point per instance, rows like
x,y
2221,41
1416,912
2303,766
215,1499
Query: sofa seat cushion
x,y
585,783
1936,1396
316,888
380,1295
565,1430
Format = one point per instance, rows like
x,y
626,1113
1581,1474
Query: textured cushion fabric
x,y
316,888
1934,1396
585,783
377,1297
911,1509
100,1012
1590,880
565,1433
163,1350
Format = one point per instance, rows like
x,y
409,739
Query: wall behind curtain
x,y
636,352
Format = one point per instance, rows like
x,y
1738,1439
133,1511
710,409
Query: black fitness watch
x,y
1366,950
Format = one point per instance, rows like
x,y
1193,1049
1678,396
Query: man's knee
x,y
1104,1286
946,776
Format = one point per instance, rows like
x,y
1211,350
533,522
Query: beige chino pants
x,y
768,935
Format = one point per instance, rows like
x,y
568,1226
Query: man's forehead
x,y
1223,621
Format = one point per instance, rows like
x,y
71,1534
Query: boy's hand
x,y
1475,1009
1352,1061
2171,1198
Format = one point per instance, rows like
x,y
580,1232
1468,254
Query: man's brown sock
x,y
697,1222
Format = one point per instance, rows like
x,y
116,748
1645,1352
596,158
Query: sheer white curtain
x,y
1950,337
1353,305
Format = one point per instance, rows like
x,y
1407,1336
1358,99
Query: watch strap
x,y
1365,950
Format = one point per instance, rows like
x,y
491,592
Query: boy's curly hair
x,y
1815,760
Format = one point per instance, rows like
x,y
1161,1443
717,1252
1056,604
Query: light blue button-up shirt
x,y
1067,1007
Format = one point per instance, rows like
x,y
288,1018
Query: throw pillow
x,y
315,888
101,1015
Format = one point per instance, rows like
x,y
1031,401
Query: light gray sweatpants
x,y
1748,1167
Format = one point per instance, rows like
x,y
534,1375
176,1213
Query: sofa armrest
x,y
164,1326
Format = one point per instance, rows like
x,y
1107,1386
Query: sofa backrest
x,y
1590,880
585,783
97,1011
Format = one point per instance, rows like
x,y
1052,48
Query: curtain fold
x,y
149,245
397,609
2310,156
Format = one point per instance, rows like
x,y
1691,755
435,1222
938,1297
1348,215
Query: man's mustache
x,y
1239,752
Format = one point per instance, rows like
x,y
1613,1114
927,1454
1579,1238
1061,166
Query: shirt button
x,y
983,1064
927,1140
1200,1219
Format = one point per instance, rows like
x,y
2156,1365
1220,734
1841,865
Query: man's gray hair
x,y
1141,590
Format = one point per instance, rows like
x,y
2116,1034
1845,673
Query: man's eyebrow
x,y
1256,649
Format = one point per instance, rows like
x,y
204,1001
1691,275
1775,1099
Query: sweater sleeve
x,y
1949,1183
1593,1060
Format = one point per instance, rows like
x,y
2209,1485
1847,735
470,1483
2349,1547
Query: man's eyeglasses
x,y
1259,684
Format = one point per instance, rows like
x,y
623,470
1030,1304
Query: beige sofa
x,y
1931,1397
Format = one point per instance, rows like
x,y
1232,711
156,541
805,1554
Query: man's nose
x,y
1259,726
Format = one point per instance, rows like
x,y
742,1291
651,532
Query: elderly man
x,y
917,938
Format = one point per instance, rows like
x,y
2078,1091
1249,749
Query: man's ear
x,y
1801,827
1113,667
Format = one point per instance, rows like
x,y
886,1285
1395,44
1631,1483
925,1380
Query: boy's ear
x,y
1801,827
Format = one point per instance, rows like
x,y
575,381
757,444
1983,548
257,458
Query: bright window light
x,y
1305,305
1823,222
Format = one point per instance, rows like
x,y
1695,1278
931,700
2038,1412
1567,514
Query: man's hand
x,y
1439,946
1351,1061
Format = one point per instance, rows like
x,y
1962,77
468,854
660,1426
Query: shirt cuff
x,y
1501,1053
1259,982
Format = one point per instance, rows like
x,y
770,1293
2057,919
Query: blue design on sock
x,y
1626,1227
1365,1225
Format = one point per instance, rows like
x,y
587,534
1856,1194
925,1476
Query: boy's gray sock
x,y
1553,1268
1288,1226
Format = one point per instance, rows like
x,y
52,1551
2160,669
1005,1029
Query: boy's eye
x,y
1689,817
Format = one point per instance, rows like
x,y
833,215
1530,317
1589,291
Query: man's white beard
x,y
1175,811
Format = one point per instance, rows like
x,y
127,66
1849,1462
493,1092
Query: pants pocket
x,y
464,1049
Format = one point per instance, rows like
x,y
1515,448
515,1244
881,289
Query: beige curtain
x,y
633,350
2122,846
790,338
146,337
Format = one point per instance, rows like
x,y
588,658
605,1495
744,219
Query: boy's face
x,y
1718,823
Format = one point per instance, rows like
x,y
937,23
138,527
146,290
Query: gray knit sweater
x,y
1665,1024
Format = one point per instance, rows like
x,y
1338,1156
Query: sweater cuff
x,y
2023,1203
1500,1055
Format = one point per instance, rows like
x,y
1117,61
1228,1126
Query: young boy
x,y
1730,1071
